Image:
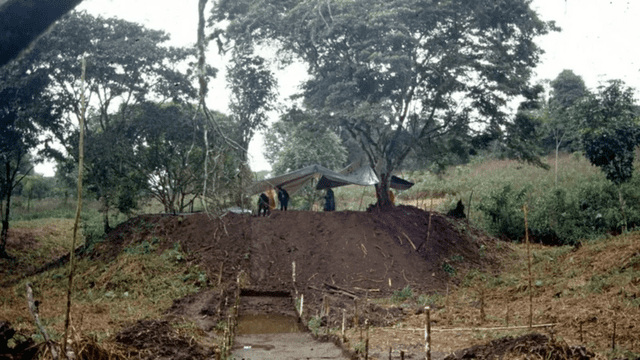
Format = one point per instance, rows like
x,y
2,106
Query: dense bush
x,y
562,215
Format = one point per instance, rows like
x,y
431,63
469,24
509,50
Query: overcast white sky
x,y
600,40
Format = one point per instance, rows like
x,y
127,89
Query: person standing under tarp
x,y
330,202
283,198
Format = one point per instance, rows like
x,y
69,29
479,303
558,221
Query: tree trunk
x,y
624,217
5,221
107,228
382,191
556,179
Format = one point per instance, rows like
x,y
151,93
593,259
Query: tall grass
x,y
583,204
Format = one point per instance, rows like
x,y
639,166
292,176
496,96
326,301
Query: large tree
x,y
561,120
25,112
611,132
393,73
128,64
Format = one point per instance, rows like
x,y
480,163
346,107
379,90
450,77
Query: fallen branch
x,y
33,308
411,242
340,290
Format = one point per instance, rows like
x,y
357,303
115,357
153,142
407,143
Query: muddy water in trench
x,y
268,329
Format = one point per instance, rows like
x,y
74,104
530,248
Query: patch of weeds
x,y
447,268
314,324
432,300
402,295
457,258
359,347
142,248
598,284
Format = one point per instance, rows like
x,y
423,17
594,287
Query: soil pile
x,y
379,252
536,345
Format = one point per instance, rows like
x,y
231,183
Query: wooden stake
x,y
344,319
366,344
356,321
507,316
301,305
482,315
526,236
427,334
613,339
81,119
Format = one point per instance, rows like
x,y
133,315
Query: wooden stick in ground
x,y
427,333
526,236
344,319
78,212
33,308
366,344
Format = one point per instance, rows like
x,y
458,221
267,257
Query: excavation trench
x,y
268,328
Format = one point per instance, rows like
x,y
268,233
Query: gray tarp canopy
x,y
293,181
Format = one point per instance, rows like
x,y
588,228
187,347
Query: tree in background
x,y
611,132
381,69
301,139
26,111
522,140
560,118
253,94
128,65
170,152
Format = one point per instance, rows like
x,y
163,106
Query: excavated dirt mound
x,y
340,257
533,345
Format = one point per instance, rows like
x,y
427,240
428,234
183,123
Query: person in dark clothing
x,y
263,205
458,212
330,202
283,198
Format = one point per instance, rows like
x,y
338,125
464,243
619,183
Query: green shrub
x,y
503,212
402,295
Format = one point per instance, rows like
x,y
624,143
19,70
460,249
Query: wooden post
x,y
356,321
389,352
482,315
526,236
613,339
507,325
401,354
366,343
427,333
301,305
344,319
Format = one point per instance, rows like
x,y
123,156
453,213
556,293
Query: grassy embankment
x,y
141,283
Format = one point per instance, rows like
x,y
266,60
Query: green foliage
x,y
372,72
449,269
503,209
402,295
611,131
430,300
314,324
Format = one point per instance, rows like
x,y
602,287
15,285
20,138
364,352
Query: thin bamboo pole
x,y
76,223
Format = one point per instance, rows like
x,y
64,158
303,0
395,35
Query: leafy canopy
x,y
401,69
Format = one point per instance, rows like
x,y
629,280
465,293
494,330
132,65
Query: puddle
x,y
267,324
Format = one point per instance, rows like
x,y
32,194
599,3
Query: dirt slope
x,y
377,251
